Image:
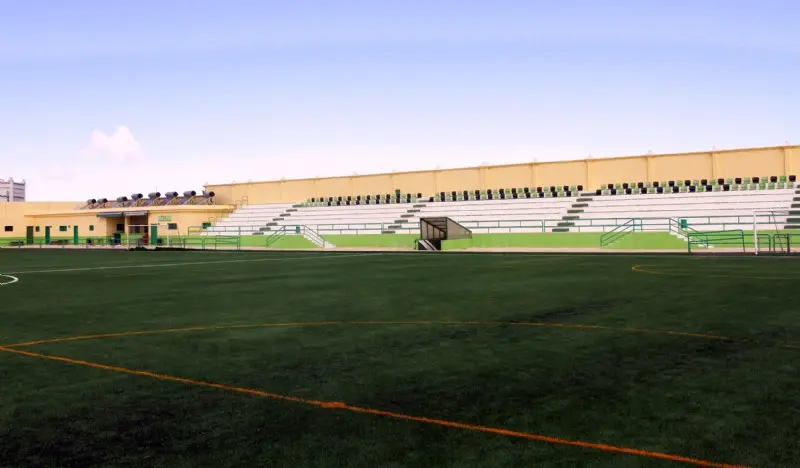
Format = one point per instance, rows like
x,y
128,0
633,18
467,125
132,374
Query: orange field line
x,y
374,322
389,414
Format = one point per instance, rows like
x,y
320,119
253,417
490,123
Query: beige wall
x,y
19,215
591,173
184,220
14,215
101,226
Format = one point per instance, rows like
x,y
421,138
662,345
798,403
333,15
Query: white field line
x,y
214,262
531,256
13,279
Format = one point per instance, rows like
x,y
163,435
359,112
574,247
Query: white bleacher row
x,y
328,219
374,215
703,211
495,210
722,209
248,219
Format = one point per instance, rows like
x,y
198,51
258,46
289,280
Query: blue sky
x,y
105,98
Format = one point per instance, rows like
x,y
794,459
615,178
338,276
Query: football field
x,y
377,359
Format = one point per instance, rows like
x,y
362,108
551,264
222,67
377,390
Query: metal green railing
x,y
300,230
275,237
706,239
207,242
614,235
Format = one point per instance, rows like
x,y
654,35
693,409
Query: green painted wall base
x,y
284,242
406,241
638,240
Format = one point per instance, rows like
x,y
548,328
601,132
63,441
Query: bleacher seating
x,y
248,219
365,219
724,203
719,208
521,214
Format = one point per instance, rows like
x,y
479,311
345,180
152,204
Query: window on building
x,y
37,228
91,227
62,228
120,227
9,229
172,226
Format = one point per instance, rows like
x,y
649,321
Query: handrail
x,y
313,236
275,236
619,232
715,237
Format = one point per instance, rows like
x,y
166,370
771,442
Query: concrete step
x,y
387,231
400,221
584,199
393,226
412,211
580,205
284,215
570,217
277,219
407,215
420,205
291,210
565,224
574,211
560,229
274,224
792,226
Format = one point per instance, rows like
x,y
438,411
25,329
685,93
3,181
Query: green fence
x,y
706,239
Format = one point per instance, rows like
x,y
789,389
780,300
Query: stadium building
x,y
634,202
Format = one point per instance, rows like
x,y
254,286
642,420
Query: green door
x,y
154,234
75,235
29,235
47,235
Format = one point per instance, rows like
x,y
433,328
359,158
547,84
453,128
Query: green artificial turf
x,y
731,401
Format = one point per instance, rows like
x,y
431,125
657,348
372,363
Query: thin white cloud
x,y
119,146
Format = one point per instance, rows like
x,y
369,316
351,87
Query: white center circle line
x,y
13,279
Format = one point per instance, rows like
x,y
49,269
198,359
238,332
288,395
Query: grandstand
x,y
654,207
574,202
